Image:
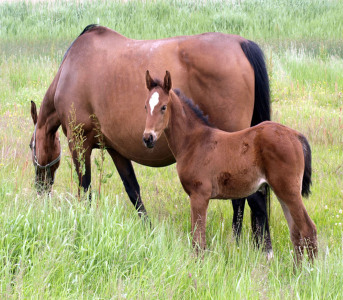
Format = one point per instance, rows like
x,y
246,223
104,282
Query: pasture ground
x,y
59,247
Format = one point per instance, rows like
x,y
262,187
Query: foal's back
x,y
237,164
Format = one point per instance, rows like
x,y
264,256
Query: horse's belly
x,y
134,149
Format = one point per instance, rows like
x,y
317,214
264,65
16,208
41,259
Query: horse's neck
x,y
183,125
48,119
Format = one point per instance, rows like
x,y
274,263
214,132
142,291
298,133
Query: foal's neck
x,y
184,126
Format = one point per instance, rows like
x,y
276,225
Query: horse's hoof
x,y
270,255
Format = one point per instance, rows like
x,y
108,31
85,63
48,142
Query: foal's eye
x,y
164,107
145,107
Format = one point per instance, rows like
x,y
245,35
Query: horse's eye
x,y
164,107
145,107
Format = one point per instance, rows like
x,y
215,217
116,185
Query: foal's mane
x,y
195,108
190,103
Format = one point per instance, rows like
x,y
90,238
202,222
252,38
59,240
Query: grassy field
x,y
58,247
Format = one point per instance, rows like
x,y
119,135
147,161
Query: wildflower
x,y
340,211
325,207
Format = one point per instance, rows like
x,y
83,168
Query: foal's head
x,y
156,107
46,154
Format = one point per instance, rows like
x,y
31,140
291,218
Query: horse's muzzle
x,y
148,140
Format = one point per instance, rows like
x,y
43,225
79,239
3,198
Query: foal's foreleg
x,y
127,175
198,219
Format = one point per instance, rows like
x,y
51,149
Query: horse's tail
x,y
262,94
307,181
261,111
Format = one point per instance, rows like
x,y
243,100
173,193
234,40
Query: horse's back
x,y
103,75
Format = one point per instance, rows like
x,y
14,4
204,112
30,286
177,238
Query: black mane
x,y
195,108
88,28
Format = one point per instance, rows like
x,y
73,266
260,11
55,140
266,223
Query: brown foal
x,y
214,164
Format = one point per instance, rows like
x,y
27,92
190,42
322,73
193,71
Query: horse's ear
x,y
34,112
150,83
167,82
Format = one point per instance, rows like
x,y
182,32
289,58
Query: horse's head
x,y
46,154
156,107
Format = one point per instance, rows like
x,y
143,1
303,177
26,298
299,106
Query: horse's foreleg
x,y
127,175
237,220
259,221
198,218
83,169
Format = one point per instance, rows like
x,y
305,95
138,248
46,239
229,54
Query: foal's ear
x,y
34,113
167,84
150,83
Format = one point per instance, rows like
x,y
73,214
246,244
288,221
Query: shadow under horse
x,y
214,164
100,78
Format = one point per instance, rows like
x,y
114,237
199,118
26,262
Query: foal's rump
x,y
286,155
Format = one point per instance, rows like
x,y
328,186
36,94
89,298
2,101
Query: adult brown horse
x,y
214,164
101,76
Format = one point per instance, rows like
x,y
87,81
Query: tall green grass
x,y
58,247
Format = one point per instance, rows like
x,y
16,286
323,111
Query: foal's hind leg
x,y
303,232
259,221
127,175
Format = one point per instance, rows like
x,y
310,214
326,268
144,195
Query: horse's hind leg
x,y
237,220
127,175
303,232
259,221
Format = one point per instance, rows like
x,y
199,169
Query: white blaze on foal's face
x,y
153,101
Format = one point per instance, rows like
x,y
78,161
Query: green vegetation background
x,y
61,248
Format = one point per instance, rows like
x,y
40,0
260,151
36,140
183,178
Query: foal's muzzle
x,y
149,140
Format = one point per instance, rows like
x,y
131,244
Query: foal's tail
x,y
307,181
